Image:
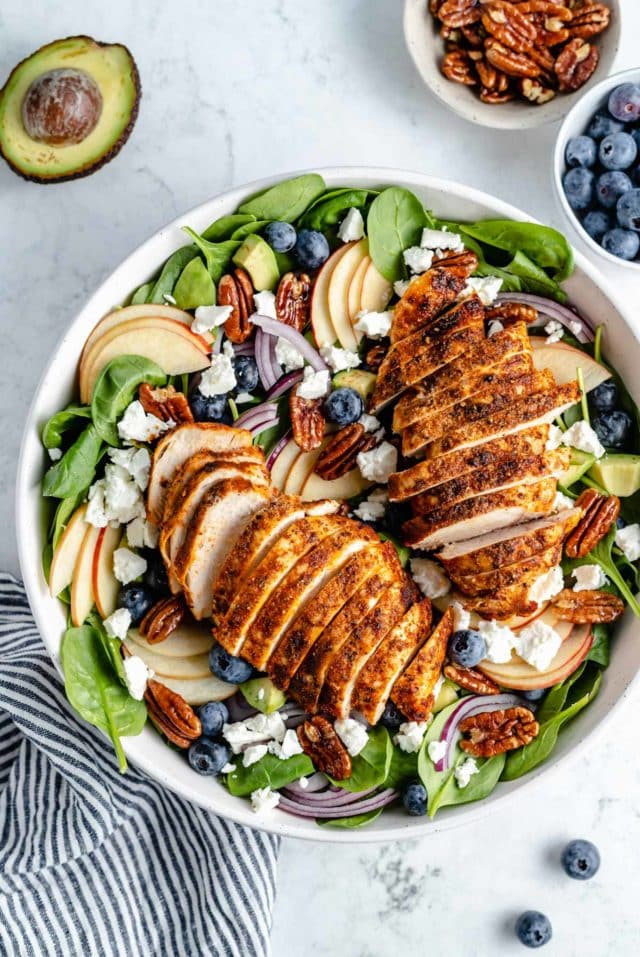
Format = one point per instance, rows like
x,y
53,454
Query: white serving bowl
x,y
148,752
427,49
575,123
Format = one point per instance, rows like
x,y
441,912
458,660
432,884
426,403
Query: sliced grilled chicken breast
x,y
294,543
252,455
413,692
219,518
377,677
426,298
524,571
335,697
480,515
317,615
263,531
180,444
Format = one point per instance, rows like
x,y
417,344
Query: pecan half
x,y
172,715
459,13
340,455
508,313
162,619
599,512
470,679
236,290
165,403
575,64
546,7
458,67
495,96
510,62
490,78
474,34
466,260
587,607
536,91
505,22
293,300
319,740
589,20
307,421
494,732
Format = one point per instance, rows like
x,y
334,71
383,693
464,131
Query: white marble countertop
x,y
238,89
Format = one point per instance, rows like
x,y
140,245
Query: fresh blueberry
x,y
628,210
620,522
604,397
536,694
578,187
137,599
624,102
596,224
603,124
467,648
156,574
581,151
246,371
414,798
344,406
392,717
280,236
213,715
609,188
311,249
618,151
208,757
210,408
581,860
613,428
227,667
533,929
621,243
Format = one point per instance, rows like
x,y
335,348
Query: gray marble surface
x,y
233,90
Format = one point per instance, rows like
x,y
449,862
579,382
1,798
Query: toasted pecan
x,y
307,421
166,403
575,64
319,740
511,62
470,679
236,290
459,13
509,313
589,19
536,91
293,300
505,22
587,606
599,512
458,67
340,455
163,618
172,715
494,732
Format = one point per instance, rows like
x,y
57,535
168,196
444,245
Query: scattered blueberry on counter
x,y
208,757
228,667
467,648
137,598
414,798
533,929
581,860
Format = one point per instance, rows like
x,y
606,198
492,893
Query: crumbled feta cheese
x,y
228,768
142,534
485,287
418,259
441,239
96,513
429,577
127,566
576,326
243,397
286,748
368,511
257,729
547,586
554,440
581,436
210,317
303,783
554,331
400,286
136,425
588,578
219,378
288,356
378,464
500,641
122,495
379,495
562,501
264,799
314,385
137,462
339,359
465,771
374,325
352,226
253,754
55,454
538,644
260,694
437,750
265,303
169,299
495,326
410,736
353,735
628,540
369,422
136,675
461,617
117,624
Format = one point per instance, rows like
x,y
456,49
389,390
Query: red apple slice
x,y
133,313
520,676
323,330
104,583
187,667
376,291
339,284
66,553
82,598
355,290
283,463
187,640
563,360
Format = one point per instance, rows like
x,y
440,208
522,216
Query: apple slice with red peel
x,y
187,640
563,360
66,552
82,597
283,464
104,583
132,314
339,284
520,676
355,291
324,332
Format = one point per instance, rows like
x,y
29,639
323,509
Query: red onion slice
x,y
274,327
550,309
277,449
268,375
470,705
258,414
374,803
284,384
247,348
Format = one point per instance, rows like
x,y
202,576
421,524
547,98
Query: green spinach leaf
x,y
603,556
217,255
534,278
194,287
69,418
332,207
269,771
545,246
74,473
223,227
600,649
357,820
371,767
115,389
170,272
285,201
142,293
403,768
254,227
62,514
395,222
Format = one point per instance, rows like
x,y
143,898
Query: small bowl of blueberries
x,y
597,168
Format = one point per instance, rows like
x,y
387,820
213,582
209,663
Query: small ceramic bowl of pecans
x,y
512,64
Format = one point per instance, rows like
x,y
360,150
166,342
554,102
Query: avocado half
x,y
68,109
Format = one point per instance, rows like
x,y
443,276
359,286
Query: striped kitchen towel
x,y
97,863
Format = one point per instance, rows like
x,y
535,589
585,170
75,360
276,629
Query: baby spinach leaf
x,y
403,768
111,646
115,388
62,422
142,293
395,222
330,210
170,272
95,692
534,278
47,558
545,246
371,767
600,649
357,820
74,473
285,201
602,555
217,255
269,771
223,227
62,514
254,227
194,287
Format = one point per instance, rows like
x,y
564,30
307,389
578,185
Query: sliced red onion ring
x,y
470,705
331,798
245,348
274,327
358,806
315,782
258,418
268,375
284,384
551,309
277,449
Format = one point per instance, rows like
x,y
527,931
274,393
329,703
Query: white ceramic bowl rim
x,y
147,750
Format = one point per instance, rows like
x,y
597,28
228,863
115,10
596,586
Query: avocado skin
x,y
114,149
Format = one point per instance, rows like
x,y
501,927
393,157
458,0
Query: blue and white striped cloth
x,y
96,863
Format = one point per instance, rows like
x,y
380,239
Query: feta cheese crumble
x,y
136,675
137,462
265,304
136,425
500,641
142,534
353,735
374,325
628,541
554,331
55,454
288,356
441,239
369,422
169,299
465,771
588,578
352,226
400,286
210,317
264,799
258,729
485,287
219,378
461,617
379,463
437,750
554,439
339,359
127,566
314,385
410,736
368,511
117,624
253,754
228,768
495,326
303,783
287,747
418,259
429,577
582,437
547,586
562,501
538,644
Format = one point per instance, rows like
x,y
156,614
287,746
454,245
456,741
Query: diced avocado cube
x,y
261,693
358,379
581,462
619,474
258,258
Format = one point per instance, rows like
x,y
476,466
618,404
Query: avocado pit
x,y
62,107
